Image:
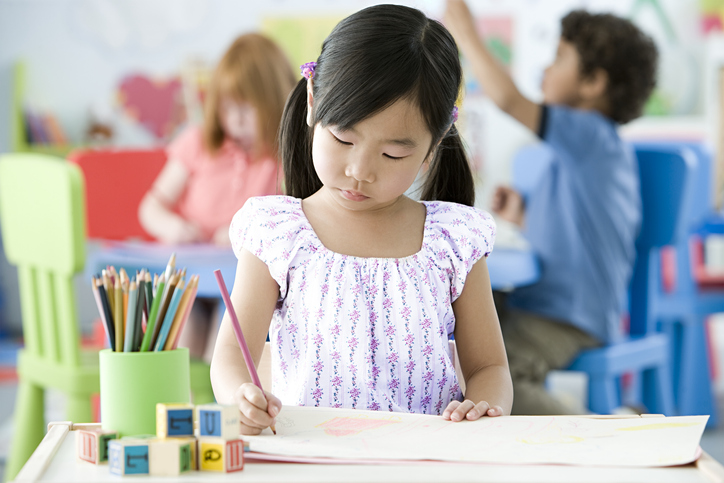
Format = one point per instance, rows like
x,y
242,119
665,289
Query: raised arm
x,y
488,386
495,81
155,212
254,297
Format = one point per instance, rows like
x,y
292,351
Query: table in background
x,y
55,460
508,267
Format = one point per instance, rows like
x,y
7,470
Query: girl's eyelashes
x,y
340,141
394,157
345,143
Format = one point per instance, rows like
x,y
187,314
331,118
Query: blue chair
x,y
681,312
665,185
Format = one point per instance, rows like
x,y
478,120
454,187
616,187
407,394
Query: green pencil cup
x,y
132,383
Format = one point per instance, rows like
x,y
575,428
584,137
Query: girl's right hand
x,y
257,411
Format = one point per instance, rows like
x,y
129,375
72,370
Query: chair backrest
x,y
666,176
42,213
116,181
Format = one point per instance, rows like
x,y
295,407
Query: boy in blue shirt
x,y
583,217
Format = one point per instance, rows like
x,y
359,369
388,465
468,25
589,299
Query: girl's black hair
x,y
370,60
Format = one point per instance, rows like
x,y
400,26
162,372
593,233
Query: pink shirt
x,y
219,185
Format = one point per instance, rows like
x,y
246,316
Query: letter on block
x,y
174,420
92,444
193,445
128,456
218,421
168,457
216,454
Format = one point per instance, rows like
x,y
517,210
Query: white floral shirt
x,y
367,333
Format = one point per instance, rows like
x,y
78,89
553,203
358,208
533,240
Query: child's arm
x,y
254,297
496,83
489,389
155,213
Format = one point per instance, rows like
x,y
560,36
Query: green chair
x,y
42,217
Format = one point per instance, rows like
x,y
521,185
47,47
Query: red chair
x,y
116,181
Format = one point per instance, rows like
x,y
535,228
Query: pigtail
x,y
450,177
295,146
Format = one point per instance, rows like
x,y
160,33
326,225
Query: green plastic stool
x,y
42,215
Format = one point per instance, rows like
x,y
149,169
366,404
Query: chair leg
x,y
79,408
602,394
29,429
658,394
695,392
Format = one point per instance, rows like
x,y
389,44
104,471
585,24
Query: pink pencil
x,y
239,335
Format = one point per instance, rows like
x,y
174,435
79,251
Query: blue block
x,y
180,422
210,423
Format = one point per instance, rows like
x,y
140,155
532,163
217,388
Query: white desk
x,y
55,460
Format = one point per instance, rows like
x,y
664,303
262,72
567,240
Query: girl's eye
x,y
340,141
394,157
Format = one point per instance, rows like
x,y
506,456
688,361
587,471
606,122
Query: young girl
x,y
358,285
214,168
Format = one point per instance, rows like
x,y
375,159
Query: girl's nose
x,y
360,169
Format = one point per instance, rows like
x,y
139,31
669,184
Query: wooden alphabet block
x,y
216,454
193,445
169,457
218,421
92,444
128,456
174,420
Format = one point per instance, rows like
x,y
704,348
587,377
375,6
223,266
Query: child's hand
x,y
458,411
509,205
257,412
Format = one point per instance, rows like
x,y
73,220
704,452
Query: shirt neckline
x,y
318,242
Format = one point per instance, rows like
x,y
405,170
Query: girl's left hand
x,y
458,411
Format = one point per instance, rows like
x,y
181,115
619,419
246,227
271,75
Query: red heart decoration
x,y
155,104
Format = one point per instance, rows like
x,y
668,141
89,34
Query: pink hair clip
x,y
308,69
455,114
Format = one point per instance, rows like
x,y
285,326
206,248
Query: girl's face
x,y
239,121
562,79
372,164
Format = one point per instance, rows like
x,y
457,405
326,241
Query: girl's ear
x,y
310,101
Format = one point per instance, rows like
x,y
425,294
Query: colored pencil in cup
x,y
107,311
101,310
239,335
118,314
169,317
153,316
130,333
137,320
187,301
166,297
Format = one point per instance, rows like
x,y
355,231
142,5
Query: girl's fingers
x,y
495,411
252,415
449,409
478,411
462,410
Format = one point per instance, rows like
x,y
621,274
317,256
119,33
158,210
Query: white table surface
x,y
55,460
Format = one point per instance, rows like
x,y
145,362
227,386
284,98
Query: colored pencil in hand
x,y
239,335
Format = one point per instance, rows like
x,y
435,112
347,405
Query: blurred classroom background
x,y
112,74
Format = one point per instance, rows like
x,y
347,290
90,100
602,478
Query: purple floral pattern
x,y
368,333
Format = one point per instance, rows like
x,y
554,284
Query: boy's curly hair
x,y
624,52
